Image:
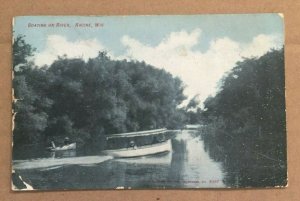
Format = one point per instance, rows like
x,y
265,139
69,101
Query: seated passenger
x,y
66,141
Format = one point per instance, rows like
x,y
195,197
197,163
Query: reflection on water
x,y
197,169
188,165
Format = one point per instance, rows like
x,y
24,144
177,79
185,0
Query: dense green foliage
x,y
246,121
85,100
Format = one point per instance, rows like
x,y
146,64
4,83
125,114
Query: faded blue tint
x,y
151,30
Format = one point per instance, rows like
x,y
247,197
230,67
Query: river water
x,y
187,166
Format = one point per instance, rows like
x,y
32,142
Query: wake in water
x,y
52,163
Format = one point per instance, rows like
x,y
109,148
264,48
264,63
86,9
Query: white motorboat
x,y
136,150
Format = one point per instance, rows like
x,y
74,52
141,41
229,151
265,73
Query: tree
x,y
30,122
247,119
86,100
21,51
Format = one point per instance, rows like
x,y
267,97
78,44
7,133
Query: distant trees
x,y
85,100
246,120
193,111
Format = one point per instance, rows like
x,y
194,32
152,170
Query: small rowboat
x,y
63,148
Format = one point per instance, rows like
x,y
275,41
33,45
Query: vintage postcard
x,y
148,102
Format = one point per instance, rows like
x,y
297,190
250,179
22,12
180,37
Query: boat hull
x,y
140,151
65,147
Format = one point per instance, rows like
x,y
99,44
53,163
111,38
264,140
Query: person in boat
x,y
132,144
163,138
158,139
66,141
155,140
50,143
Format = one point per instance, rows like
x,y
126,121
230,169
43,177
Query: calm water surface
x,y
188,166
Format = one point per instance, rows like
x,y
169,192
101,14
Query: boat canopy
x,y
137,134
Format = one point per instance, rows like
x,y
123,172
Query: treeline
x,y
85,100
246,126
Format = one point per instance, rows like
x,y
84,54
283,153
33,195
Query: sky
x,y
199,49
